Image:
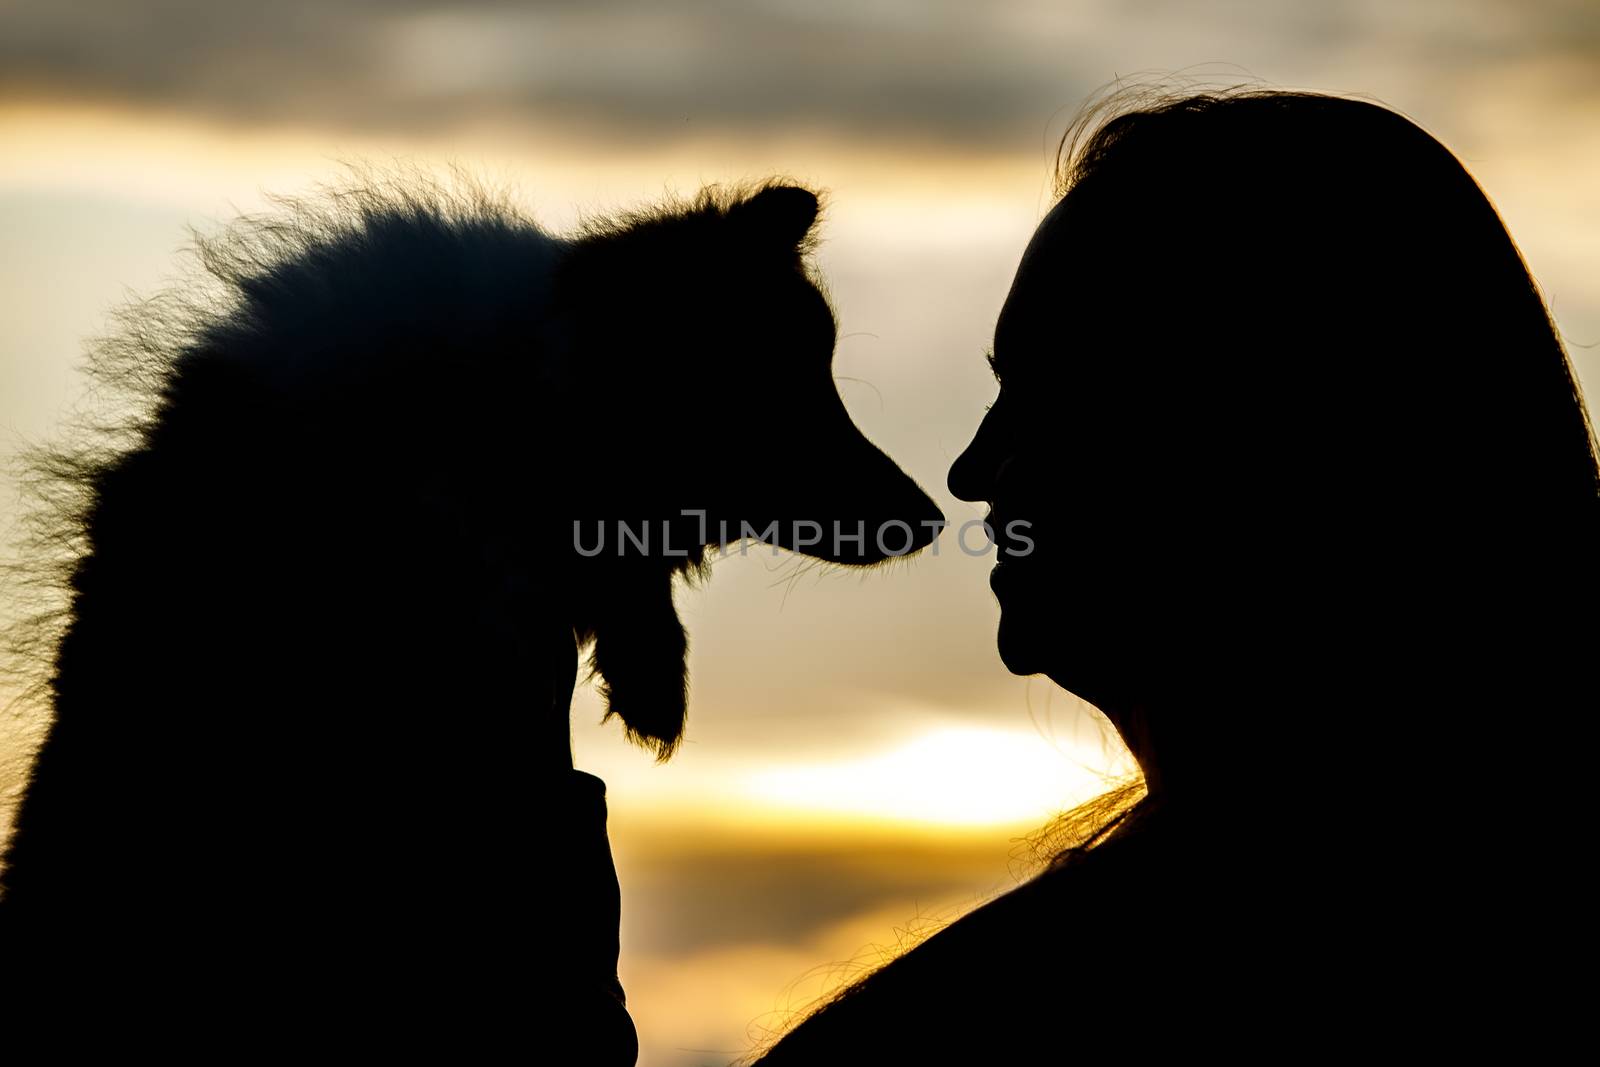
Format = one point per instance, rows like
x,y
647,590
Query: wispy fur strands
x,y
235,286
316,544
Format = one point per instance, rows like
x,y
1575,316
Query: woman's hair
x,y
1349,235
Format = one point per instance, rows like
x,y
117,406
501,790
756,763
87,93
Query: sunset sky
x,y
859,765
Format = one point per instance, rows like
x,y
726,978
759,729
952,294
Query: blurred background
x,y
860,768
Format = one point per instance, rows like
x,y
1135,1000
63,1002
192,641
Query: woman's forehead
x,y
1040,291
1052,237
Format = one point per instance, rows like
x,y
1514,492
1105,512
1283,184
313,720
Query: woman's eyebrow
x,y
994,368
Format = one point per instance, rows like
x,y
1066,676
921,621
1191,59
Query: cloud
x,y
779,889
706,1007
726,937
979,74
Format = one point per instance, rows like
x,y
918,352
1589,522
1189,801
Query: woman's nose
x,y
963,480
972,475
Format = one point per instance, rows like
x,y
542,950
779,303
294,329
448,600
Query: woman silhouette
x,y
1309,487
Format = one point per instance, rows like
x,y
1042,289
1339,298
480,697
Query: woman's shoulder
x,y
1081,897
1001,978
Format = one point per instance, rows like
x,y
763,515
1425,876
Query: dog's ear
x,y
778,214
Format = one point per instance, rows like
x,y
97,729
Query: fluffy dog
x,y
395,468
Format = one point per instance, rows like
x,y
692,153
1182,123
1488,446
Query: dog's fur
x,y
324,602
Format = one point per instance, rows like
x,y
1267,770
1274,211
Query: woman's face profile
x,y
1068,459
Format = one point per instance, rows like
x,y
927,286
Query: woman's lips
x,y
1005,567
999,523
1010,559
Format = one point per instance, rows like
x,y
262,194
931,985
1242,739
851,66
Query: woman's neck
x,y
1217,762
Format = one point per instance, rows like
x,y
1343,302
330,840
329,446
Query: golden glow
x,y
957,776
171,158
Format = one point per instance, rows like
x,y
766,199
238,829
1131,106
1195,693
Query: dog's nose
x,y
903,527
929,522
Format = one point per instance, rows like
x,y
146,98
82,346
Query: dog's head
x,y
700,355
707,351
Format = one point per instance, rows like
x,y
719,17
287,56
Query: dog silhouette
x,y
397,467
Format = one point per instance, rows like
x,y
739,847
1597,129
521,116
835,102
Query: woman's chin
x,y
1020,644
